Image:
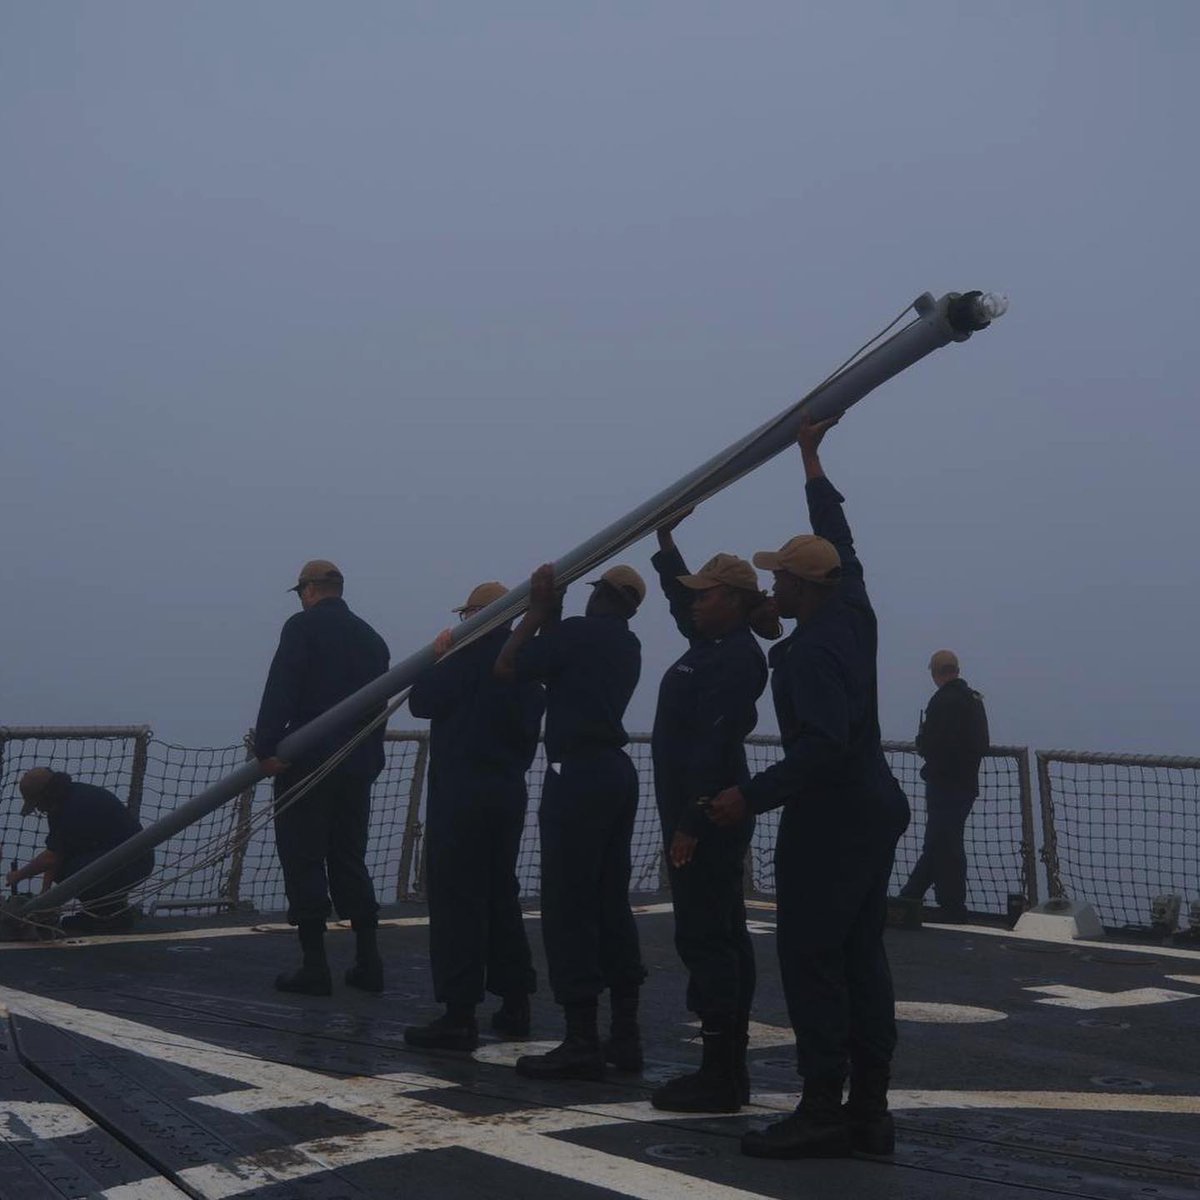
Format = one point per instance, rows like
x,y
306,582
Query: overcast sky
x,y
437,290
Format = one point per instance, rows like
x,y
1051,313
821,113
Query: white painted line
x,y
1065,996
910,1100
231,931
193,935
35,1120
413,1124
928,1013
1194,979
1109,947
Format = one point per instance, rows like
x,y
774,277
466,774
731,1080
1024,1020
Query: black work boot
x,y
872,1130
312,978
455,1029
513,1017
578,1057
367,972
623,1046
817,1129
713,1088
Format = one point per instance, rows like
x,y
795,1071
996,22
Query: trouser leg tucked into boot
x,y
578,1057
455,1029
872,1130
367,972
713,1088
623,1046
312,978
817,1129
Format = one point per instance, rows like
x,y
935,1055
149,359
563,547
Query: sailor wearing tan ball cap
x,y
325,654
843,813
590,666
483,735
707,705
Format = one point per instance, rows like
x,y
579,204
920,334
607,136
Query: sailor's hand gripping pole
x,y
953,318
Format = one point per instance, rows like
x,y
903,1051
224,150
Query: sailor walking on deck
x,y
706,709
325,654
843,813
590,666
483,736
952,739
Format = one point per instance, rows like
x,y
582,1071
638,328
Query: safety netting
x,y
227,859
1121,831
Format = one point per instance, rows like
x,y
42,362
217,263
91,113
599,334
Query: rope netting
x,y
227,859
1121,830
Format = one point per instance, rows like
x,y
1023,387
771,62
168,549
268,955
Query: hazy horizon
x,y
438,291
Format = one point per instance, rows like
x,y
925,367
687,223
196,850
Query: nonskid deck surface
x,y
164,1065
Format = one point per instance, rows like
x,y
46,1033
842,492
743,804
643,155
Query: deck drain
x,y
1126,1083
1101,1023
677,1151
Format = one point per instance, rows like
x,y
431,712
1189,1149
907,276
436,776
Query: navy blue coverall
x,y
706,709
88,822
483,736
590,666
843,813
325,654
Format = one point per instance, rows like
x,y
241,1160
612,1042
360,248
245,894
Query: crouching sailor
x,y
84,822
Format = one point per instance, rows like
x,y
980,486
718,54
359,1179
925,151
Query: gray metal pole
x,y
953,318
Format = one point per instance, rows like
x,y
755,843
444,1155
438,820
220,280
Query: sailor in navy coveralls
x,y
590,666
843,813
483,736
707,705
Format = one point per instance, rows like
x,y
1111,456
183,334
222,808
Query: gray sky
x,y
436,290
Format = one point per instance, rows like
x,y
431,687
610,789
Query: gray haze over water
x,y
437,290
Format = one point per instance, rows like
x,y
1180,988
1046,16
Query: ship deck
x,y
162,1064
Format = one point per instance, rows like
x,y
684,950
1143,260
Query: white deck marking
x,y
228,931
1194,979
926,1012
1064,995
1108,947
523,1136
914,1100
36,1120
144,1189
413,1124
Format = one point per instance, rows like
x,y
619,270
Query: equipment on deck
x,y
952,318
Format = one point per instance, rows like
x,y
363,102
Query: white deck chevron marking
x,y
1064,995
518,1137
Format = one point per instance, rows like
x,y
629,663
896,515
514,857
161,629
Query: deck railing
x,y
1117,830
